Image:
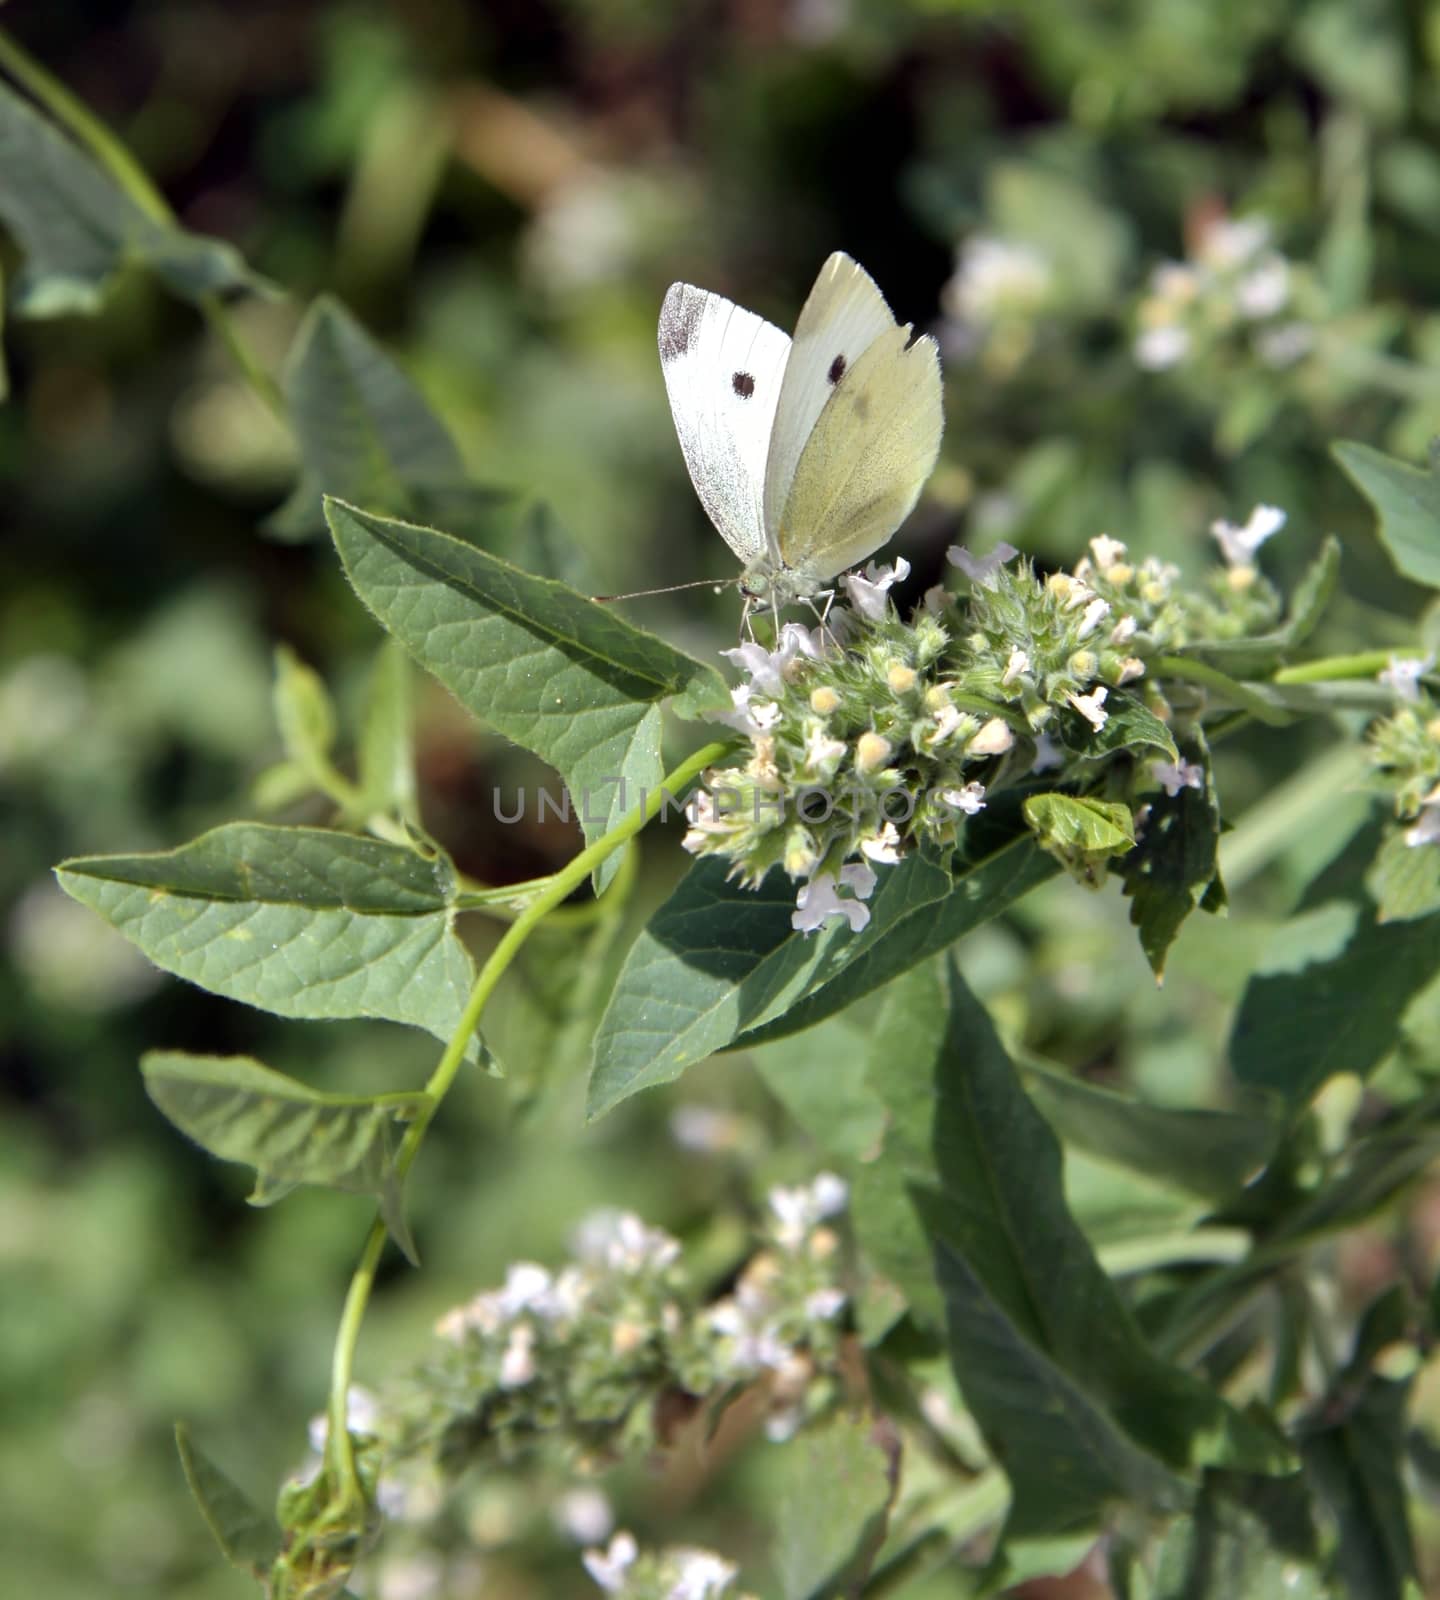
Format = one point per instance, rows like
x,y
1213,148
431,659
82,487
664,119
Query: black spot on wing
x,y
679,318
743,385
837,369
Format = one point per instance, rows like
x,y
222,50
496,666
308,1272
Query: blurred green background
x,y
502,192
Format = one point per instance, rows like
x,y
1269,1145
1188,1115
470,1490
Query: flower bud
x,y
871,752
824,700
993,739
1084,664
900,678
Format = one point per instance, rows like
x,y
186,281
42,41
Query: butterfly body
x,y
806,453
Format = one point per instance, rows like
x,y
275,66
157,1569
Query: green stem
x,y
1365,664
89,131
1212,678
1393,374
963,1515
1189,1244
564,883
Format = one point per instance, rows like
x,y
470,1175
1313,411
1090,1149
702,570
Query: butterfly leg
x,y
828,596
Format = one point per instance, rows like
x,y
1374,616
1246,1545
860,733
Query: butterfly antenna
x,y
717,584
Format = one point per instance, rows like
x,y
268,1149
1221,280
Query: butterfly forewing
x,y
866,459
723,370
842,317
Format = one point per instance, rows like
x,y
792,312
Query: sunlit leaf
x,y
299,921
539,663
835,1483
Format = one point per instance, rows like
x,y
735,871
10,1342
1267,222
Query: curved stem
x,y
564,883
89,131
1210,677
1365,664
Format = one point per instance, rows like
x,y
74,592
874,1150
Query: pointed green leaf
x,y
365,431
242,1111
1332,994
1130,725
1175,864
1407,502
247,1538
539,663
76,227
965,1209
1082,833
835,1484
299,921
721,965
304,715
1403,880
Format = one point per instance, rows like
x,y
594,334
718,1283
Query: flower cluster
x,y
871,738
1404,750
999,289
1235,286
676,1573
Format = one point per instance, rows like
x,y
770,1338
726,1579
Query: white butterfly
x,y
806,454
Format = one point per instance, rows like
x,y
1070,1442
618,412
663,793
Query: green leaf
x,y
1262,653
1080,832
1331,996
965,1209
1211,1155
365,432
1404,880
558,674
247,1538
835,1485
304,715
299,921
76,227
1130,725
1175,863
819,1077
721,965
387,756
1223,1552
1353,1449
242,1111
1407,502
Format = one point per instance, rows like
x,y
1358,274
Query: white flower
x,y
1427,829
1173,776
1095,614
996,276
1123,631
1019,662
1107,551
980,569
820,898
1159,349
584,1514
608,1567
619,1241
824,1305
362,1415
970,799
1264,289
705,1128
1175,283
1048,754
821,750
1404,673
1238,545
517,1365
1131,667
1090,706
868,592
884,847
1231,242
748,715
797,1209
699,1575
766,669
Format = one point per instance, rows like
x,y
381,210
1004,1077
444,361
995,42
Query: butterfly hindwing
x,y
723,369
844,314
867,458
